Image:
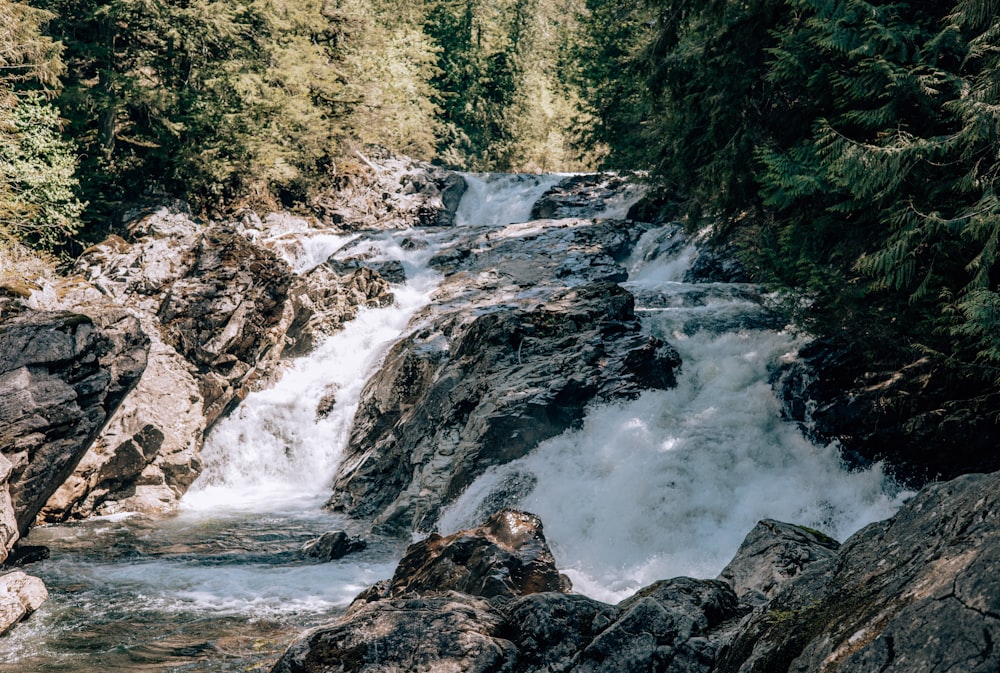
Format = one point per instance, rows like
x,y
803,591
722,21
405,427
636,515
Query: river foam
x,y
669,484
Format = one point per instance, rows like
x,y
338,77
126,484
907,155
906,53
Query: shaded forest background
x,y
847,150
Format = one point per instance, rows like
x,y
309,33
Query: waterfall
x,y
663,485
275,452
670,483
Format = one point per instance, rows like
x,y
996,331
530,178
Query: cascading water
x,y
664,485
670,484
222,586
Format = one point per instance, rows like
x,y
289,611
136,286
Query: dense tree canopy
x,y
38,200
848,148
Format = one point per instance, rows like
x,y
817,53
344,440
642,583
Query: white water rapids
x,y
665,485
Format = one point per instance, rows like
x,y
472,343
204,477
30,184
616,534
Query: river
x,y
665,485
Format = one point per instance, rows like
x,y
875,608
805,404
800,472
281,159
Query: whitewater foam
x,y
669,484
276,451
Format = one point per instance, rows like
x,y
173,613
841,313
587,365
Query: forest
x,y
846,150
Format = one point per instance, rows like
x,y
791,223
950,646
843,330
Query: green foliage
x,y
848,147
390,66
616,98
37,169
218,101
505,104
37,183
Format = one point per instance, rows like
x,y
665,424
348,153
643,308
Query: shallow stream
x,y
662,486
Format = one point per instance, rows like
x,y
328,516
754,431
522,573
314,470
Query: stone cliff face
x,y
62,375
916,593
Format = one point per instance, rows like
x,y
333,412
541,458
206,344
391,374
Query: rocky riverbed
x,y
570,356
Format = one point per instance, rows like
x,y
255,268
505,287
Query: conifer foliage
x,y
38,200
849,146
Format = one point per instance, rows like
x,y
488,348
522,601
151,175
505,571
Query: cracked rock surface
x,y
917,593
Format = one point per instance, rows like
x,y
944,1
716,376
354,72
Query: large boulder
x,y
529,327
20,595
433,615
917,593
332,546
672,625
772,554
436,634
8,517
506,556
62,375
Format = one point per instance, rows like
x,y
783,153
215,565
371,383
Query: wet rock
x,y
916,593
771,554
333,546
529,328
584,196
20,595
421,621
450,632
671,625
326,404
925,419
506,556
551,629
390,271
61,376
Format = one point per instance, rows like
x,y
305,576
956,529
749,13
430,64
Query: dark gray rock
x,y
506,556
717,265
925,418
432,420
419,621
771,554
551,629
61,377
582,196
451,632
529,327
672,625
333,546
916,593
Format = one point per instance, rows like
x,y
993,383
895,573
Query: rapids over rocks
x,y
545,354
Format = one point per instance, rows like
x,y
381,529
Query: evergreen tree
x,y
37,181
390,63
